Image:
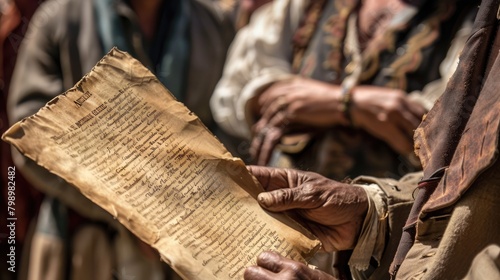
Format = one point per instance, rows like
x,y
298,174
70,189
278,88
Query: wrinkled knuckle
x,y
268,258
299,271
297,268
286,196
309,189
276,136
272,131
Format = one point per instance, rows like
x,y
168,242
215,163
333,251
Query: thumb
x,y
285,199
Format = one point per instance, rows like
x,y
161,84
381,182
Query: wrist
x,y
371,241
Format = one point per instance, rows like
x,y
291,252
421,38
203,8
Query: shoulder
x,y
58,10
53,16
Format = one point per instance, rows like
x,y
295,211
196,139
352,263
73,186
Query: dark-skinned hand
x,y
291,104
387,114
331,210
271,265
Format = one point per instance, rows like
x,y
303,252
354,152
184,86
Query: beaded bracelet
x,y
346,102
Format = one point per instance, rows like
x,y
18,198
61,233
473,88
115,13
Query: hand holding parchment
x,y
331,210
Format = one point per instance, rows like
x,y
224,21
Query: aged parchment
x,y
122,139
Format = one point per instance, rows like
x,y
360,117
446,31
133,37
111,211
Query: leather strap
x,y
426,188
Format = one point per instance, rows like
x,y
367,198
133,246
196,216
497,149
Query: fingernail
x,y
263,199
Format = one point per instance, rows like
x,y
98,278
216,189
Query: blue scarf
x,y
169,50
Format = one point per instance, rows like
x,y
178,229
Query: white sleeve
x,y
259,55
371,242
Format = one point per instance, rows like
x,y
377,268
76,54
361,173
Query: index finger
x,y
270,178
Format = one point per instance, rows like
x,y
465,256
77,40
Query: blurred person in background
x,y
338,86
14,19
183,42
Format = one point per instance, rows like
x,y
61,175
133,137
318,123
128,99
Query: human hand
x,y
387,114
332,211
271,265
291,105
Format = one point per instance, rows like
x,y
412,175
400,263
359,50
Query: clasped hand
x,y
302,104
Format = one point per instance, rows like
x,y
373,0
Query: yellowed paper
x,y
122,139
